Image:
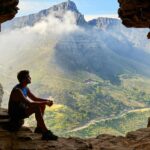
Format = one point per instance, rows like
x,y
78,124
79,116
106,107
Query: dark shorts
x,y
18,112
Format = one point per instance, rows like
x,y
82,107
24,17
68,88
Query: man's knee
x,y
42,107
35,107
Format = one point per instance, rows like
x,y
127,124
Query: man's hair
x,y
22,75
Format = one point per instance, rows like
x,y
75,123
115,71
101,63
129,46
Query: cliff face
x,y
26,139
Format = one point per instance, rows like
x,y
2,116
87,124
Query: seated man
x,y
20,107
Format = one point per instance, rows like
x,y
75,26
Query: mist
x,y
55,43
22,48
48,31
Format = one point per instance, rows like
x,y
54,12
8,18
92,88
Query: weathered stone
x,y
1,94
148,125
148,35
135,13
8,9
4,113
26,139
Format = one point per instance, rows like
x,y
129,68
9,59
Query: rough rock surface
x,y
26,139
8,9
1,94
135,13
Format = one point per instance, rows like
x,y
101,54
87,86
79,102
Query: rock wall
x,y
1,94
135,13
8,9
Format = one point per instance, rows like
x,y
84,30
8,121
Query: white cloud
x,y
21,48
32,38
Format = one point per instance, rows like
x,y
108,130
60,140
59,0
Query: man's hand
x,y
49,103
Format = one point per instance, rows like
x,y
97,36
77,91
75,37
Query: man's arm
x,y
39,100
18,95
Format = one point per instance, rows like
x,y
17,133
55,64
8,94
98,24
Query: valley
x,y
98,72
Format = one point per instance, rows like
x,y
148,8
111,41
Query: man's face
x,y
28,79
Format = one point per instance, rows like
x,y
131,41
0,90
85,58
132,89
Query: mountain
x,y
104,23
96,71
57,10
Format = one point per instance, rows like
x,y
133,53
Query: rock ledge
x,y
26,139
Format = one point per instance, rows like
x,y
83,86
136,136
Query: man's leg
x,y
36,108
39,111
42,108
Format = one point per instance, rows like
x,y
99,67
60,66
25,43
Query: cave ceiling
x,y
8,9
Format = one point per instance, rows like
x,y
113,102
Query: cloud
x,y
50,30
22,48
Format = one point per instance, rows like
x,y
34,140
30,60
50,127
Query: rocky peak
x,y
60,9
57,10
71,5
103,22
68,5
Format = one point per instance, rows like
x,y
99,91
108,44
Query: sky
x,y
90,8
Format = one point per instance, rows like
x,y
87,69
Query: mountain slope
x,y
57,10
102,54
104,23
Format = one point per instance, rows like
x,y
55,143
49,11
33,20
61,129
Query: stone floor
x,y
25,139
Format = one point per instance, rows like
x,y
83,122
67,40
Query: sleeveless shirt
x,y
14,106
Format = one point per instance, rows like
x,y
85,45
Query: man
x,y
20,107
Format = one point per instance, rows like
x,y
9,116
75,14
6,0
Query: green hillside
x,y
88,106
117,126
99,78
81,96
